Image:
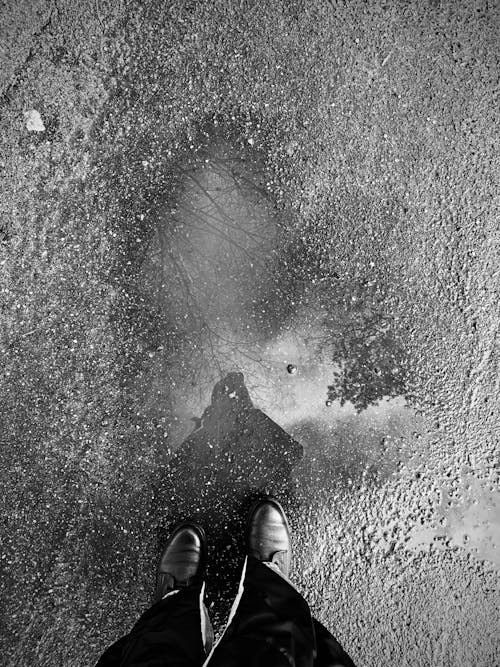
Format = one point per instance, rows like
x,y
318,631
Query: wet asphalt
x,y
251,250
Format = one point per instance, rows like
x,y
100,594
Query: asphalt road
x,y
194,197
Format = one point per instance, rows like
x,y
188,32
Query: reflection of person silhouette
x,y
270,624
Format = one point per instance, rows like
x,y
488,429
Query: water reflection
x,y
216,271
226,281
235,454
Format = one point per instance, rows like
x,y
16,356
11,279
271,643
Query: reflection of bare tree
x,y
356,330
228,282
364,343
215,245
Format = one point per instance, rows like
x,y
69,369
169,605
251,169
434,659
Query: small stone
x,y
34,122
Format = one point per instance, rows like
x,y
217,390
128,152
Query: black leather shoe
x,y
183,560
268,534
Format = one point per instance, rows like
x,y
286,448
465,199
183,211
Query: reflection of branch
x,y
236,174
235,346
205,211
194,249
235,343
232,241
221,211
192,213
205,192
215,357
197,312
253,186
190,297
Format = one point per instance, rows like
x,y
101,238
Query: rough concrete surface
x,y
196,195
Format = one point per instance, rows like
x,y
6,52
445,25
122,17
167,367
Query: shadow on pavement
x,y
235,454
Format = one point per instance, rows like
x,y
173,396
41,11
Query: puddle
x,y
208,261
211,269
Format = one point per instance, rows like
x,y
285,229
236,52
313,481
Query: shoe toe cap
x,y
183,555
268,531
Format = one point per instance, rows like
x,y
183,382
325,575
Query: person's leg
x,y
270,624
329,651
169,634
175,631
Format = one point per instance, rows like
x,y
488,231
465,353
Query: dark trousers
x,y
270,625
